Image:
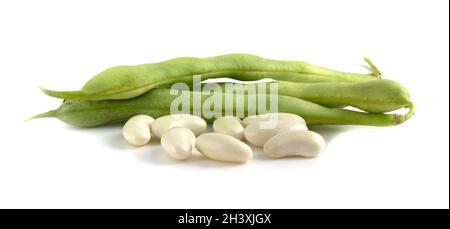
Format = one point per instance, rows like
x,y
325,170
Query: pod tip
x,y
63,94
48,114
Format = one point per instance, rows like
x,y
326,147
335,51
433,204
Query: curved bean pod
x,y
157,103
375,96
124,82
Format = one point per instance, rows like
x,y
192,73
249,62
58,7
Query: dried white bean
x,y
294,143
230,126
223,147
256,134
136,130
196,124
178,143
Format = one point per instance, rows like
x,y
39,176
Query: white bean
x,y
270,116
257,134
294,143
223,147
230,126
196,124
178,143
136,130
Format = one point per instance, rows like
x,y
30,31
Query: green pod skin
x,y
157,103
377,96
124,82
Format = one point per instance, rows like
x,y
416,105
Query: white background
x,y
61,44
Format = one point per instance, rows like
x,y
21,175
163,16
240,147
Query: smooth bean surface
x,y
136,130
196,124
230,126
303,143
178,143
222,147
258,133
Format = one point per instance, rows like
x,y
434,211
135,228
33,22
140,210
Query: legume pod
x,y
124,82
375,96
157,103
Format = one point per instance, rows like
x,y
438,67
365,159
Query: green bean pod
x,y
124,82
157,102
375,96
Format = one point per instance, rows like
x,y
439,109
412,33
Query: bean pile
x,y
307,95
288,137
